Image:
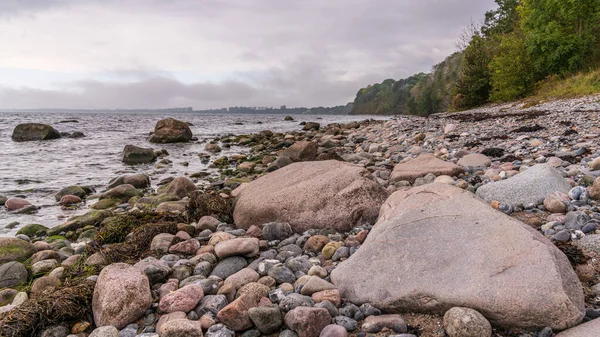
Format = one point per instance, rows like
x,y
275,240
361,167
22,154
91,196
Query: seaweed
x,y
203,204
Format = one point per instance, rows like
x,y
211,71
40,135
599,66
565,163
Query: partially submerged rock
x,y
171,130
136,155
34,131
437,246
325,194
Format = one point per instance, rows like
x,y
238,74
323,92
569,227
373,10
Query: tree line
x,y
519,45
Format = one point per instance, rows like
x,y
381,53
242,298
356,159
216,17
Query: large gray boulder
x,y
171,130
324,194
437,246
34,131
530,186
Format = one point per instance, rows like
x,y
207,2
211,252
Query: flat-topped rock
x,y
437,246
423,165
531,186
34,131
324,194
474,161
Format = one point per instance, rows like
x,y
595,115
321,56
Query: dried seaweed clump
x,y
203,204
116,229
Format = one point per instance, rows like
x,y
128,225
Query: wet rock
x,y
34,131
171,130
438,215
135,180
122,193
14,204
309,195
91,218
133,155
13,249
71,190
122,296
465,322
70,200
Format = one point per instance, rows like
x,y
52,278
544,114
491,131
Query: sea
x,y
38,170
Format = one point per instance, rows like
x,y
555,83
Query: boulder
x,y
531,186
180,187
301,151
14,204
34,131
467,254
71,190
121,192
135,180
474,161
423,165
324,194
137,155
171,130
121,296
589,329
12,274
13,249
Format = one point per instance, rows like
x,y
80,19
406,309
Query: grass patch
x,y
580,84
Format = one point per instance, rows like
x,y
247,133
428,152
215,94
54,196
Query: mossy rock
x,y
87,235
13,249
3,200
105,204
92,218
71,190
229,182
122,192
54,238
222,162
32,230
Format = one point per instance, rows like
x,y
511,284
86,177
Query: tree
x,y
560,34
474,85
511,70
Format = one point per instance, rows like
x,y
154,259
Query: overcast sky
x,y
217,53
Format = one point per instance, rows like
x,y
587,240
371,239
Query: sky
x,y
107,54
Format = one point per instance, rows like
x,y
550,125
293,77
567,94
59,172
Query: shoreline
x,y
470,150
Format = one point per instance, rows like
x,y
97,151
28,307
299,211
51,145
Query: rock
x,y
211,304
594,165
105,331
169,317
122,193
12,274
71,190
332,295
529,187
207,222
279,163
181,328
121,296
246,166
288,118
211,147
589,329
136,180
42,267
267,319
325,194
474,161
316,284
34,131
171,130
180,187
307,322
184,299
276,231
162,242
172,207
556,202
13,249
14,204
452,238
465,322
229,266
449,128
235,314
45,255
316,243
91,218
237,247
282,274
311,126
423,165
32,230
187,247
136,155
70,200
242,278
301,151
254,289
42,284
348,323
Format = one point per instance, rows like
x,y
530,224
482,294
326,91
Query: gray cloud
x,y
264,52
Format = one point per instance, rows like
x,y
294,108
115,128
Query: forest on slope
x,y
522,48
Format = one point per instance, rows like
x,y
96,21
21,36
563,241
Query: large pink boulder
x,y
437,246
323,194
121,297
14,204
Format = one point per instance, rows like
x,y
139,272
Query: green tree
x,y
511,70
560,34
474,85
